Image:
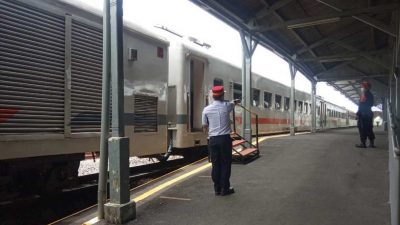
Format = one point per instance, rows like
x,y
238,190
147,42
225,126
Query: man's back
x,y
217,117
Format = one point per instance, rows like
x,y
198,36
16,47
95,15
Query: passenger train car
x,y
192,74
50,93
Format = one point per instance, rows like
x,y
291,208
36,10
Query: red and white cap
x,y
365,84
218,91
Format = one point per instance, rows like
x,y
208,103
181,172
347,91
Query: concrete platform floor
x,y
319,179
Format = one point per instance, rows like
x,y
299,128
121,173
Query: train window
x,y
237,91
318,110
329,113
300,106
218,82
295,105
278,102
287,104
256,97
267,100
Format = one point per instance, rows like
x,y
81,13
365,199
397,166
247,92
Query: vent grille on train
x,y
31,70
86,70
145,110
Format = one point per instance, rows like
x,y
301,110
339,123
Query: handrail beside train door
x,y
234,124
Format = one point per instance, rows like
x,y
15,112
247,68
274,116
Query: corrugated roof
x,y
338,41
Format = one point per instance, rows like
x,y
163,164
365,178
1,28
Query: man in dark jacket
x,y
365,116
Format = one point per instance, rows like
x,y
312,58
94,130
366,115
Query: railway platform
x,y
304,179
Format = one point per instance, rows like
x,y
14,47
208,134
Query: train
x,y
50,94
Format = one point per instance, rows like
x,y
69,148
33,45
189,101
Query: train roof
x,y
154,35
79,8
205,53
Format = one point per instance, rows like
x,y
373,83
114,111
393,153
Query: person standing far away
x,y
216,121
365,116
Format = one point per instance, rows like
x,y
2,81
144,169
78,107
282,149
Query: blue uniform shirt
x,y
364,107
216,116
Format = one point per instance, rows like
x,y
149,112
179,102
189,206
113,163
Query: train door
x,y
171,117
196,95
323,115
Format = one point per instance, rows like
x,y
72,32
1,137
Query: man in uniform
x,y
365,116
216,121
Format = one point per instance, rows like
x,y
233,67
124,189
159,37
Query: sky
x,y
188,19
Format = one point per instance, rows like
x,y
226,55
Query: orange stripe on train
x,y
267,120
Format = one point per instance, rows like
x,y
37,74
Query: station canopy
x,y
340,42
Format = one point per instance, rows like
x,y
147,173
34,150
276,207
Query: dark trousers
x,y
365,126
220,148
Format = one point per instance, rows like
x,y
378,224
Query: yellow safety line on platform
x,y
92,221
165,175
173,181
90,207
169,183
175,198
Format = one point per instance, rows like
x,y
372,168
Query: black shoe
x,y
371,144
361,145
228,192
217,193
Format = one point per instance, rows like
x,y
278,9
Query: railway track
x,y
46,208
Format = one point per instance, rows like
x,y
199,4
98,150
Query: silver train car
x,y
50,91
192,74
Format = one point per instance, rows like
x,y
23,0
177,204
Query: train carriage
x,y
192,74
50,89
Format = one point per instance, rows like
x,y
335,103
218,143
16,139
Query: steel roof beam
x,y
299,38
238,23
330,58
342,33
328,18
268,9
341,91
366,56
293,32
342,57
343,85
373,78
380,87
365,19
350,77
355,89
332,69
